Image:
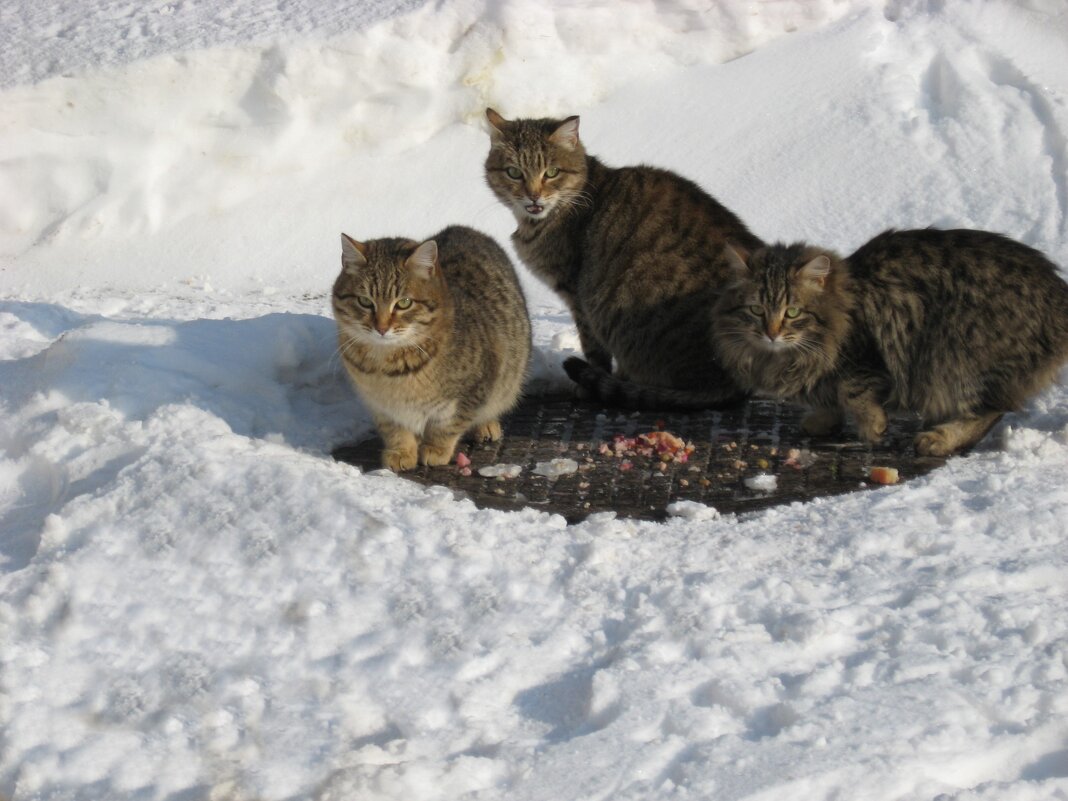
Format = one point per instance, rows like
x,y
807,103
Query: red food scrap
x,y
662,445
462,460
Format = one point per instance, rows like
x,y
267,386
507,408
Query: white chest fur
x,y
403,399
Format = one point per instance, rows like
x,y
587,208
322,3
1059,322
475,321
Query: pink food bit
x,y
462,460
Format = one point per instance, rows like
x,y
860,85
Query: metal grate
x,y
731,446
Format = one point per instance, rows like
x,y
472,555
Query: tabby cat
x,y
435,337
959,326
635,252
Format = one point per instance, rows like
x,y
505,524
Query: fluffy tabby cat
x,y
635,252
959,326
435,337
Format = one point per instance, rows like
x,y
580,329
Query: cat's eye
x,y
792,311
404,303
514,173
757,310
552,172
365,301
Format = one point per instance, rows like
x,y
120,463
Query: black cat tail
x,y
606,388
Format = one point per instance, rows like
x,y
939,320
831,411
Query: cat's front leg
x,y
401,449
596,353
487,432
859,395
439,442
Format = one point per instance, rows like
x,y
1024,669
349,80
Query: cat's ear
x,y
497,125
353,253
567,134
816,270
424,260
737,258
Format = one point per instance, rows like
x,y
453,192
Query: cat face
x,y
388,293
535,167
778,299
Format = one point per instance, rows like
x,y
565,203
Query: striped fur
x,y
435,337
635,252
958,326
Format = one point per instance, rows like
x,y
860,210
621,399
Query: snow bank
x,y
197,602
236,161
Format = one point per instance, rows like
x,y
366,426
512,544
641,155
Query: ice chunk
x,y
762,482
502,470
556,467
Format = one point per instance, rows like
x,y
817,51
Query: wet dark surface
x,y
730,447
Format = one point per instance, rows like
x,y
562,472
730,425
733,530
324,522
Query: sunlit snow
x,y
197,602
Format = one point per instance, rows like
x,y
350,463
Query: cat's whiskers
x,y
575,198
420,349
341,350
345,347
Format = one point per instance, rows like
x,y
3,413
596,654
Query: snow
x,y
196,602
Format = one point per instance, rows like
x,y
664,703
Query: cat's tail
x,y
614,391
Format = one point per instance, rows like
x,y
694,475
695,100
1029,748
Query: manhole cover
x,y
744,459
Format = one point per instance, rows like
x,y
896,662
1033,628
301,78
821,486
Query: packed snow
x,y
197,602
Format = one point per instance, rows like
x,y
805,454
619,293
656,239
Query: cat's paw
x,y
821,422
488,432
434,455
872,428
933,443
399,459
599,358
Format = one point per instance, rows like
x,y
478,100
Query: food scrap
x,y
799,458
662,445
884,475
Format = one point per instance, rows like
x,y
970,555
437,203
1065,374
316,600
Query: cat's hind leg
x,y
401,449
952,435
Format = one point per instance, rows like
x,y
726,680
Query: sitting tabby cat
x,y
959,326
635,252
435,337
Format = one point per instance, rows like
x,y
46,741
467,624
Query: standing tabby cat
x,y
959,326
435,337
635,252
